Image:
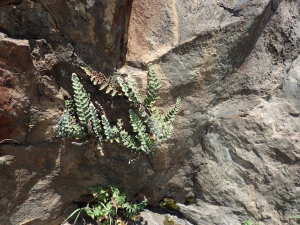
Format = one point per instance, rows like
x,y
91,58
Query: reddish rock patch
x,y
15,55
6,123
7,127
5,100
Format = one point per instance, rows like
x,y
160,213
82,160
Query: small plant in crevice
x,y
107,205
169,221
296,217
190,200
249,222
150,127
168,203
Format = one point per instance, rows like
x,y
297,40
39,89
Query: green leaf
x,y
153,86
73,213
82,102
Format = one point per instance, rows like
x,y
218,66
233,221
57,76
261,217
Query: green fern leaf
x,y
136,122
102,87
64,128
167,134
170,116
69,104
148,130
137,99
153,86
96,123
144,141
130,90
78,131
110,132
82,102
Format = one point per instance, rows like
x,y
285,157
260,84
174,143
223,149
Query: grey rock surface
x,y
161,217
236,66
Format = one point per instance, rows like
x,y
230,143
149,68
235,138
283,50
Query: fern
x,y
69,104
161,125
127,140
83,112
134,95
110,132
150,127
130,90
143,138
96,123
82,102
170,116
64,128
153,86
127,88
100,79
78,131
154,124
168,132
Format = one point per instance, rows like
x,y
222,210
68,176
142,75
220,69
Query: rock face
x,y
236,66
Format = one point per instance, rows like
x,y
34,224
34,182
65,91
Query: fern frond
x,y
152,87
154,124
158,117
82,102
127,140
96,123
102,81
78,131
69,104
146,143
168,133
170,116
136,97
67,124
64,128
110,132
136,122
96,78
161,126
130,90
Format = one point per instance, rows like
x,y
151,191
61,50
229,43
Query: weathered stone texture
x,y
236,66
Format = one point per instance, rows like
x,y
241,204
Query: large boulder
x,y
235,147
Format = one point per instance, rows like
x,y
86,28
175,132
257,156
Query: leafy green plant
x,y
295,217
249,222
106,204
168,203
150,127
189,200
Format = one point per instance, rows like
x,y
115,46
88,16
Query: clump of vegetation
x,y
168,203
150,127
169,221
249,222
189,200
106,205
297,217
